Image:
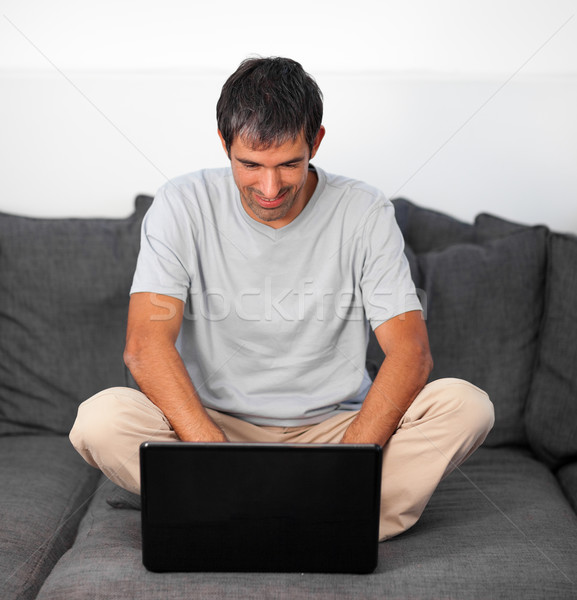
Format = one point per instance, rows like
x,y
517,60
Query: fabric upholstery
x,y
121,498
484,304
426,229
44,491
552,405
63,302
490,226
567,476
478,538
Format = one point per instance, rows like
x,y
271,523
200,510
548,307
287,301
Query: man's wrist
x,y
205,430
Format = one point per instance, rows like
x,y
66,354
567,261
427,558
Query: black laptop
x,y
260,507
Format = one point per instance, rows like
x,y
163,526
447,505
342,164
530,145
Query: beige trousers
x,y
447,421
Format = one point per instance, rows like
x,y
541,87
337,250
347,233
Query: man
x,y
250,307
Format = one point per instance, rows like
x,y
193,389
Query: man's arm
x,y
154,322
401,377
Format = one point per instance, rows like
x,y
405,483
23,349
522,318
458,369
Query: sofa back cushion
x,y
483,290
551,416
64,287
484,308
427,230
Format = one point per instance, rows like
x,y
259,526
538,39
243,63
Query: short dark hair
x,y
268,101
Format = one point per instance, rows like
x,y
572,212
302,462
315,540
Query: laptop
x,y
260,507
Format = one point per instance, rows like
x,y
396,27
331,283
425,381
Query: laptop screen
x,y
260,507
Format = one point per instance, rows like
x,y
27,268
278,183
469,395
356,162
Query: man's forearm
x,y
396,385
163,378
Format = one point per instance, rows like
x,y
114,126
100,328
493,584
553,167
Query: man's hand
x,y
154,322
402,376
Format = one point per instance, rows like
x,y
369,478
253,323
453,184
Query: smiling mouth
x,y
271,199
270,203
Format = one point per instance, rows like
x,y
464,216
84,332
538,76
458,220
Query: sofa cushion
x,y
121,498
425,229
500,527
44,491
551,417
484,305
64,287
490,226
567,476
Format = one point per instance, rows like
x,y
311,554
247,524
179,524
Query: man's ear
x,y
223,143
318,140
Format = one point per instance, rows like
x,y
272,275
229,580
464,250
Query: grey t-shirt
x,y
276,320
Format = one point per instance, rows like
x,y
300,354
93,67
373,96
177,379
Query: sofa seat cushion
x,y
498,528
44,491
64,287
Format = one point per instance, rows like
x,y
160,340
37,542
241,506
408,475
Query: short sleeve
x,y
386,284
166,245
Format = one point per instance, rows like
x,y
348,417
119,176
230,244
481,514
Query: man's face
x,y
274,183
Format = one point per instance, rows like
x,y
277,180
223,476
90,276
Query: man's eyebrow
x,y
246,161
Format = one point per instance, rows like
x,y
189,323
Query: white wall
x,y
480,36
463,106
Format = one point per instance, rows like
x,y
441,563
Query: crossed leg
x,y
445,424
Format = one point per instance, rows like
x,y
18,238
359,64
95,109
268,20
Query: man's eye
x,y
290,166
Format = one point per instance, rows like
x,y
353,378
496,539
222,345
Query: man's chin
x,y
270,214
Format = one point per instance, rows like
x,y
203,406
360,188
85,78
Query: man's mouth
x,y
270,203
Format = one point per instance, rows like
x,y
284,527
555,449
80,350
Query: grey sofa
x,y
500,304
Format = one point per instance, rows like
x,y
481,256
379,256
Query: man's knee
x,y
472,410
97,418
466,406
478,411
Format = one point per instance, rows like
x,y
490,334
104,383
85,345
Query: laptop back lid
x,y
260,507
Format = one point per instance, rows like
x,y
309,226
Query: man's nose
x,y
270,184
